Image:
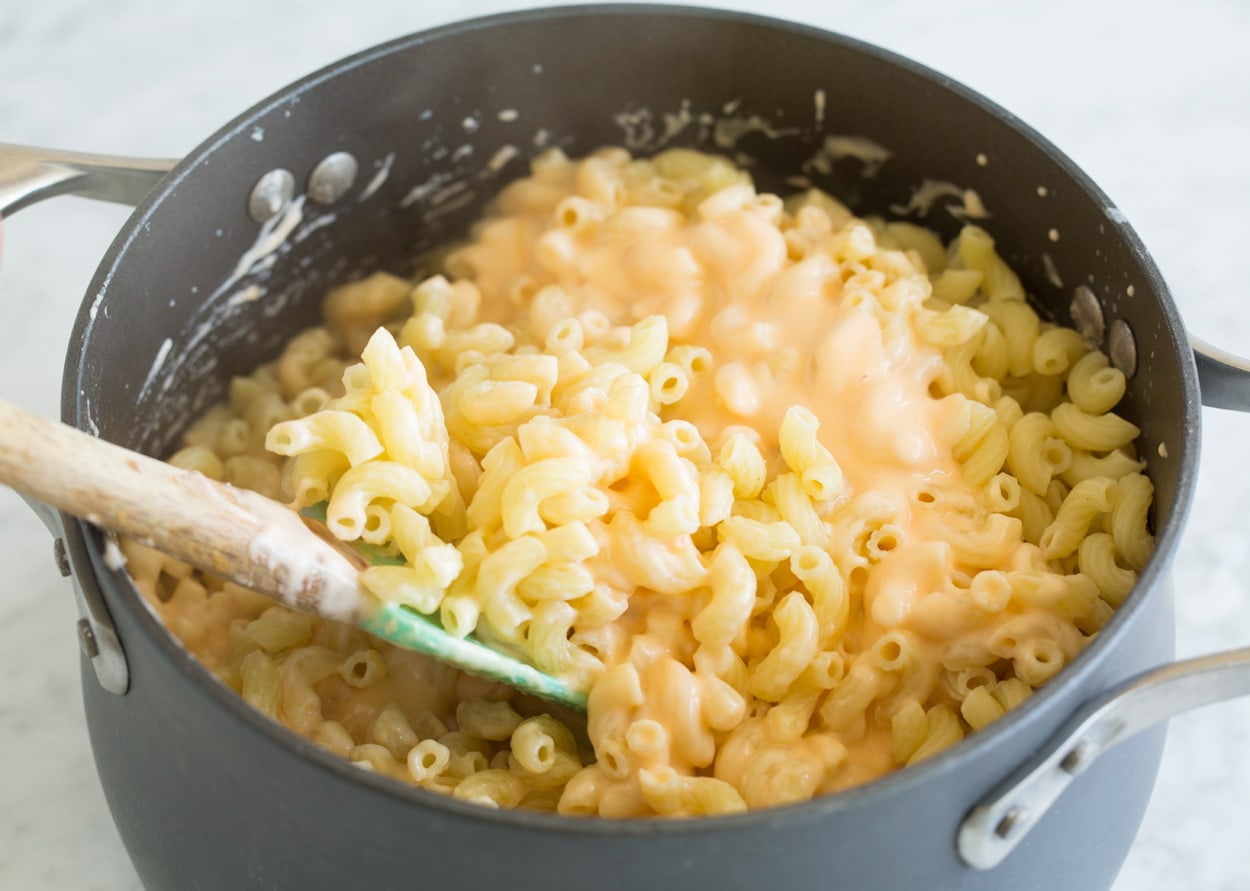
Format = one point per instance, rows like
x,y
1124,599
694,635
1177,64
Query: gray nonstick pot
x,y
371,161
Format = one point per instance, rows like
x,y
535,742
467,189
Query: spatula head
x,y
405,627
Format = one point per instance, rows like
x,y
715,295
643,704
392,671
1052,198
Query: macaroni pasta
x,y
799,498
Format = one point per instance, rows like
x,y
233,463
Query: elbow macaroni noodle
x,y
799,498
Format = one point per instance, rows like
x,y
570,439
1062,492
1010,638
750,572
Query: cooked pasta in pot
x,y
800,498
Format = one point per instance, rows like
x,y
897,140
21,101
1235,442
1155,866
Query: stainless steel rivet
x,y
1087,314
1010,821
62,558
332,177
1076,760
270,194
1122,347
86,639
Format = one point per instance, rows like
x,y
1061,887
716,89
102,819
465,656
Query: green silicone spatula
x,y
236,534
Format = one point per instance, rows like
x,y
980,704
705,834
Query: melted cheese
x,y
797,307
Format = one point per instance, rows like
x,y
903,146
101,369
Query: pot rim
x,y
901,782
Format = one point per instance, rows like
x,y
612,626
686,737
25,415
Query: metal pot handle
x,y
993,828
1223,379
28,175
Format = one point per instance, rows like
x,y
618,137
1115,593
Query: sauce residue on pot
x,y
378,179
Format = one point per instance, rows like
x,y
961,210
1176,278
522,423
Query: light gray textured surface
x,y
1151,98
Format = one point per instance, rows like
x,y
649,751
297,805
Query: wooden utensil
x,y
233,533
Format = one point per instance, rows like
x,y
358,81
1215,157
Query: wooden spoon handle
x,y
234,533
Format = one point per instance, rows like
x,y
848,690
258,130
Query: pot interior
x,y
194,291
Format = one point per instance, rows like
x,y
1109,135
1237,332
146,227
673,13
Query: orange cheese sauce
x,y
931,589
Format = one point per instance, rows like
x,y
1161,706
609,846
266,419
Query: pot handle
x,y
1223,379
28,175
993,828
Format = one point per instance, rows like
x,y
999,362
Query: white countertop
x,y
1152,99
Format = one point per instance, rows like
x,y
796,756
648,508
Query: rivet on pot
x,y
86,639
331,178
270,194
1010,821
62,558
1076,760
1087,315
1122,346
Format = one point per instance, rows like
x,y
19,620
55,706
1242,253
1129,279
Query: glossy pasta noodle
x,y
801,498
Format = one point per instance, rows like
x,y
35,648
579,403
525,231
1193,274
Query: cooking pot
x,y
368,163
